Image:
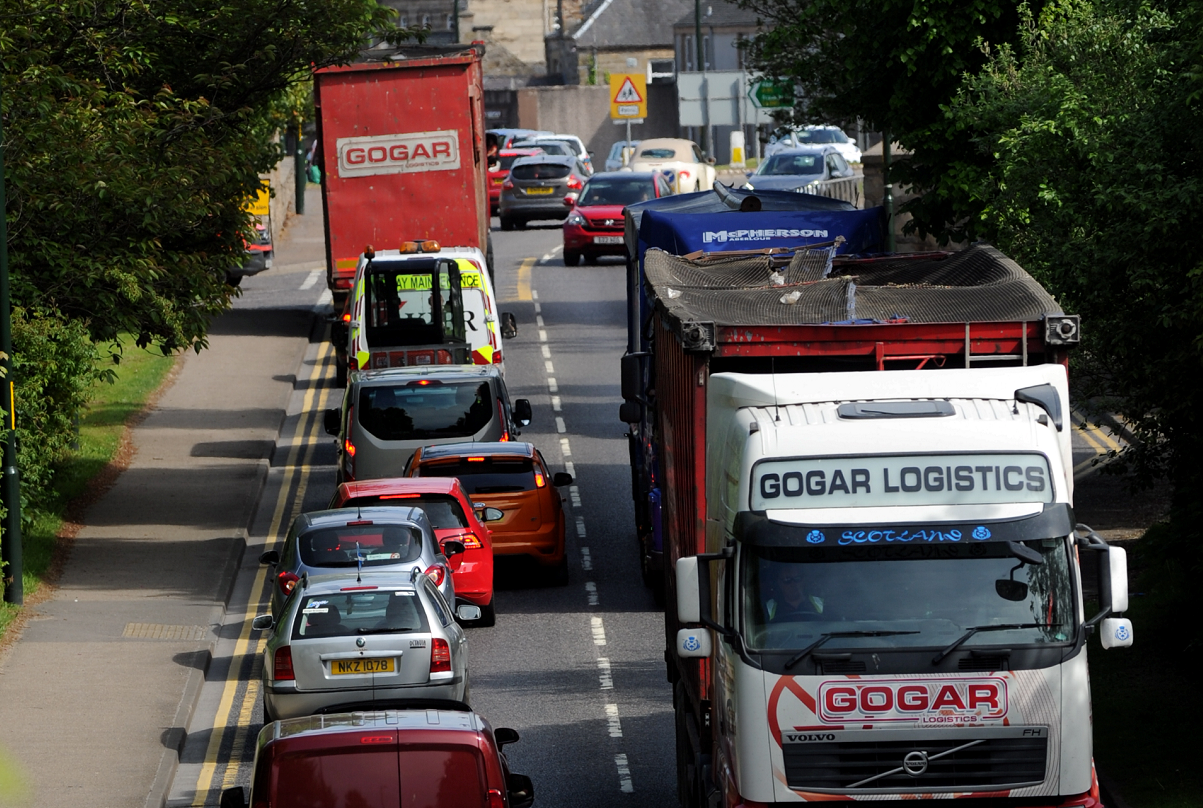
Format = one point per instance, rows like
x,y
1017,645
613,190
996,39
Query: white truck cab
x,y
892,599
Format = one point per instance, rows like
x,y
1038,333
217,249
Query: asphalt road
x,y
577,670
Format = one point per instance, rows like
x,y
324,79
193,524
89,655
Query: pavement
x,y
97,691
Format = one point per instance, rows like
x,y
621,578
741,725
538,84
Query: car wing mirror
x,y
522,412
509,325
561,478
332,420
270,557
233,798
522,791
505,736
493,514
453,547
467,612
263,622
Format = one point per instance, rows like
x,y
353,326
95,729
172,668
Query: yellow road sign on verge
x,y
628,95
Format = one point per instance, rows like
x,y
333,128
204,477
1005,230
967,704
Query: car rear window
x,y
345,614
426,409
443,510
508,160
336,778
541,171
489,475
616,192
446,777
376,544
790,164
658,154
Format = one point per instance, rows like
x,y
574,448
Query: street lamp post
x,y
10,484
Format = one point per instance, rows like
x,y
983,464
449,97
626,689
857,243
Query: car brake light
x,y
283,665
287,582
347,317
352,363
508,185
471,541
357,588
348,444
359,522
496,800
540,482
400,496
440,656
575,183
505,429
436,573
376,739
476,459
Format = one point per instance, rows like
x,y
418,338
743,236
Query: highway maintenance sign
x,y
628,96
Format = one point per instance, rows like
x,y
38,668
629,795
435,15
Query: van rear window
x,y
418,411
446,777
492,475
337,778
541,171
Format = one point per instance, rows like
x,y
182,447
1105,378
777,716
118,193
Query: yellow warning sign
x,y
628,95
260,205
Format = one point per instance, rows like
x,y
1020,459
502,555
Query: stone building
x,y
613,36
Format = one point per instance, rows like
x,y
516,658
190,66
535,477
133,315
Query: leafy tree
x,y
897,64
134,133
1093,129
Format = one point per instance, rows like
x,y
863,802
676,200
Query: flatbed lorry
x,y
874,577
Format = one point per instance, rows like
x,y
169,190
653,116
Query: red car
x,y
452,515
429,758
595,226
499,170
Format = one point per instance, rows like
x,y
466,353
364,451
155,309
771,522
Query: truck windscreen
x,y
792,596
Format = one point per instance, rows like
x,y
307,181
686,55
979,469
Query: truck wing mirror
x,y
632,376
630,412
1112,587
332,420
1045,397
693,589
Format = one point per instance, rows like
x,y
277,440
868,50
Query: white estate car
x,y
680,161
814,136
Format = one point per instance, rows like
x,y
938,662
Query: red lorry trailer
x,y
769,384
402,147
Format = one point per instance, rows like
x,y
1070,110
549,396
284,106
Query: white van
x,y
399,316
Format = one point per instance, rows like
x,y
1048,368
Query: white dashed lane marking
x,y
574,495
549,367
560,425
570,468
580,531
555,403
624,774
604,677
613,722
591,593
551,384
546,352
599,631
565,449
586,559
542,334
311,280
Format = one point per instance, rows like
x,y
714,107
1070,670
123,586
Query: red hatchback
x,y
500,170
452,516
428,758
595,227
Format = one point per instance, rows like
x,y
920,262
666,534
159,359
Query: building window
x,y
450,22
690,53
403,21
707,53
425,20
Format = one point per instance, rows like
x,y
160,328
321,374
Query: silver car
x,y
350,541
376,641
536,188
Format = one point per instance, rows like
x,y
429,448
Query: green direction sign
x,y
768,94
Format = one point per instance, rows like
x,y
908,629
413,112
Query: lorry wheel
x,y
507,223
571,259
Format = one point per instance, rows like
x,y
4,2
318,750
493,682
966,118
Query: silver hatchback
x,y
377,641
536,188
350,541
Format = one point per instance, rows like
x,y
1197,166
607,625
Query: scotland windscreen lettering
x,y
845,482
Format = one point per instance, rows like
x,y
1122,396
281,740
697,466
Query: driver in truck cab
x,y
790,600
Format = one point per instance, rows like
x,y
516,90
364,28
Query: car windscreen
x,y
486,475
616,192
443,510
658,154
780,165
929,595
540,171
822,136
376,545
426,409
345,614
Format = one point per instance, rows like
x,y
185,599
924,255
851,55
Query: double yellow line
x,y
287,503
1102,443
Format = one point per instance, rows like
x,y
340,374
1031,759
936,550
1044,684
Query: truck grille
x,y
994,762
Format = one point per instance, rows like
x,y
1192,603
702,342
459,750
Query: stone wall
x,y
874,187
516,25
284,186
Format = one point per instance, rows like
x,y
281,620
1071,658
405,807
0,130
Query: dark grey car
x,y
794,169
536,187
386,414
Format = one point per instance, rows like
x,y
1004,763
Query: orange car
x,y
511,477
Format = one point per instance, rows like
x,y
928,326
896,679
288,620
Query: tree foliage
x,y
896,64
1092,127
135,132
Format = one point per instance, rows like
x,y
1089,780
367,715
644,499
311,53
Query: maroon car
x,y
444,757
500,170
595,226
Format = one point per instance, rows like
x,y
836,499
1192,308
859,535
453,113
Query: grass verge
x,y
91,468
1147,712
